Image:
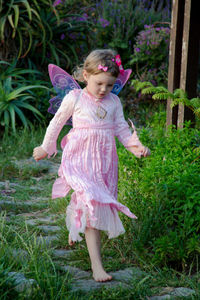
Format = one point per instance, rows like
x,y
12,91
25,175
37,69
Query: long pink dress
x,y
89,162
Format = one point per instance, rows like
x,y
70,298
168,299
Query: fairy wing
x,y
63,83
121,81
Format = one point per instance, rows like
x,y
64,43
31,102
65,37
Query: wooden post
x,y
190,57
175,49
183,57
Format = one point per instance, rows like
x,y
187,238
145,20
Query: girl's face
x,y
99,85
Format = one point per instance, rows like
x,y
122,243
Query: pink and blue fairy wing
x,y
121,81
63,83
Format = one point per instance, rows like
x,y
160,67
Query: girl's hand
x,y
39,153
146,152
139,151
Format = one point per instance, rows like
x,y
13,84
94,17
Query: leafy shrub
x,y
118,22
15,97
40,31
179,96
150,54
163,191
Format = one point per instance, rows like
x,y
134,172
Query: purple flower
x,y
62,36
137,49
57,2
104,23
72,36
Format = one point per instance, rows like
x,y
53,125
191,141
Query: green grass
x,y
161,190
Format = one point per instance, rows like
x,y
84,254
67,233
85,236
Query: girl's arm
x,y
56,124
123,133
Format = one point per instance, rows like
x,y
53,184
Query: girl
x,y
89,159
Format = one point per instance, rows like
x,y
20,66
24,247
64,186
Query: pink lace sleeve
x,y
56,124
123,132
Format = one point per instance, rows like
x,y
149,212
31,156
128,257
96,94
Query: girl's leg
x,y
71,243
92,237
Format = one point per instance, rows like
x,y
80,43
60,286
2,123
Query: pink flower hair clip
x,y
118,61
100,67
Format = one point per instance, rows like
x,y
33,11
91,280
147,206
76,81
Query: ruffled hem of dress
x,y
105,218
83,211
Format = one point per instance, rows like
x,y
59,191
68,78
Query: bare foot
x,y
71,243
101,276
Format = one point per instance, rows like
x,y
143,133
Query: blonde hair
x,y
98,57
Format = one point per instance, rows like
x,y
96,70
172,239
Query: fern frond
x,y
197,111
149,90
179,93
195,102
160,96
138,85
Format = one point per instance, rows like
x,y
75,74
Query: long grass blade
x,y
6,118
20,43
31,108
16,9
21,116
10,19
28,8
28,29
2,27
12,116
17,93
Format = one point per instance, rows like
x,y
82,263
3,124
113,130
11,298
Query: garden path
x,y
38,215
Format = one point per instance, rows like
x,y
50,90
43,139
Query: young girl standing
x,y
89,159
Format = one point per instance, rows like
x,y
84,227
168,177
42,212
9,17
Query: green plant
x,y
161,93
163,192
149,59
17,17
118,22
13,100
39,31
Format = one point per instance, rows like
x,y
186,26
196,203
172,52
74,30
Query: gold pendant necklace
x,y
101,112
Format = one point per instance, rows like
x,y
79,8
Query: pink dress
x,y
89,162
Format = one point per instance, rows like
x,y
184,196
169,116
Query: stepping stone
x,y
36,188
127,274
20,254
40,199
20,203
62,253
174,293
48,228
164,297
76,272
47,240
22,284
7,184
35,221
87,285
50,166
182,292
34,213
31,222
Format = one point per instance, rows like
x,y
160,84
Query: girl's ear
x,y
85,75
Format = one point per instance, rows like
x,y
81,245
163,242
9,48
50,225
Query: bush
x,y
164,191
16,97
118,22
41,32
150,57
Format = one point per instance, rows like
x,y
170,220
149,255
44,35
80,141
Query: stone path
x,y
48,233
